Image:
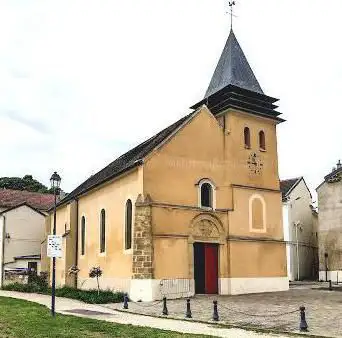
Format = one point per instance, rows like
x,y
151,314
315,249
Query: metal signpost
x,y
54,242
54,246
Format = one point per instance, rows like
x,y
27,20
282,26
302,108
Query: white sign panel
x,y
54,246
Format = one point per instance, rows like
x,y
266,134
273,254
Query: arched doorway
x,y
207,235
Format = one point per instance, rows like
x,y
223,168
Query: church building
x,y
195,209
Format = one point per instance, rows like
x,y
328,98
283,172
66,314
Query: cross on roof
x,y
231,5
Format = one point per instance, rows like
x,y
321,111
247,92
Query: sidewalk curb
x,y
227,326
116,311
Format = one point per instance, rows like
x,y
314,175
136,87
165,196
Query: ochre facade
x,y
168,219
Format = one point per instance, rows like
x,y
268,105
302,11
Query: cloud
x,y
82,81
32,123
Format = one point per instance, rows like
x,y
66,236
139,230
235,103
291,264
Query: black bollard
x,y
165,311
125,306
188,309
330,285
215,314
303,326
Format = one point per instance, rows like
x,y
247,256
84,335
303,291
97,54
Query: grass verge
x,y
23,319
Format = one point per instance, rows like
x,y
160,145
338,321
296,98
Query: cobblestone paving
x,y
323,310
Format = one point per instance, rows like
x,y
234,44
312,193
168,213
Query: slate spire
x,y
234,86
233,69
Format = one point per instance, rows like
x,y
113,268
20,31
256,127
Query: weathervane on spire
x,y
231,4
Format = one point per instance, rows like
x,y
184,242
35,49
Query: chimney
x,y
339,165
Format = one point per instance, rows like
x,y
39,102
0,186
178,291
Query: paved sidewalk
x,y
64,305
277,311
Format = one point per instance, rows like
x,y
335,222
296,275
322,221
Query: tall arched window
x,y
206,195
103,231
128,225
83,225
262,142
247,137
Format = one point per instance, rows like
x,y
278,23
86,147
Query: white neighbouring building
x,y
22,230
329,194
300,230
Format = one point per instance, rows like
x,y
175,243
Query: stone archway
x,y
206,242
206,228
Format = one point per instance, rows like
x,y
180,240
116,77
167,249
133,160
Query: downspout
x,y
76,245
3,250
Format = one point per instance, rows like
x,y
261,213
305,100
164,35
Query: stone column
x,y
142,239
142,283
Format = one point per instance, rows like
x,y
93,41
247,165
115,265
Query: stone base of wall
x,y
147,290
238,286
334,276
15,278
106,283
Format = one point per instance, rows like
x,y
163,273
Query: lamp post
x,y
296,225
326,266
55,184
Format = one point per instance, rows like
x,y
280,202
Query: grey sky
x,y
83,81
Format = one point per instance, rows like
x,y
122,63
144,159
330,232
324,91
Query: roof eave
x,y
66,200
21,205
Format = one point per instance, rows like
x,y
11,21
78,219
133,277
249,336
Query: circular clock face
x,y
254,164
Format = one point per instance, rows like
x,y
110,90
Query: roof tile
x,y
11,198
126,161
233,69
286,185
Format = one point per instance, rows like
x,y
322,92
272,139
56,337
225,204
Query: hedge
x,y
87,296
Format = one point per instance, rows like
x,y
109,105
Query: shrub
x,y
87,296
39,283
96,272
28,288
91,296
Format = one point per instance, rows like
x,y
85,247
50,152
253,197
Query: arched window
x,y
83,224
257,213
128,225
206,195
262,142
103,231
247,137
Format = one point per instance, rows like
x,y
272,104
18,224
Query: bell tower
x,y
248,119
234,85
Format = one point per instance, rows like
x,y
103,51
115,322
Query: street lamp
x,y
296,225
326,266
55,184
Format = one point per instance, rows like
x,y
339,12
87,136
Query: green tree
x,y
26,183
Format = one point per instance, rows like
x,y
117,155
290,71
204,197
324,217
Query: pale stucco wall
x,y
299,211
25,228
66,226
45,261
330,228
116,262
62,219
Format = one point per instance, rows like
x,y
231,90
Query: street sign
x,y
54,246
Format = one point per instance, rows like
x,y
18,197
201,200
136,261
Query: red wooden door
x,y
211,268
